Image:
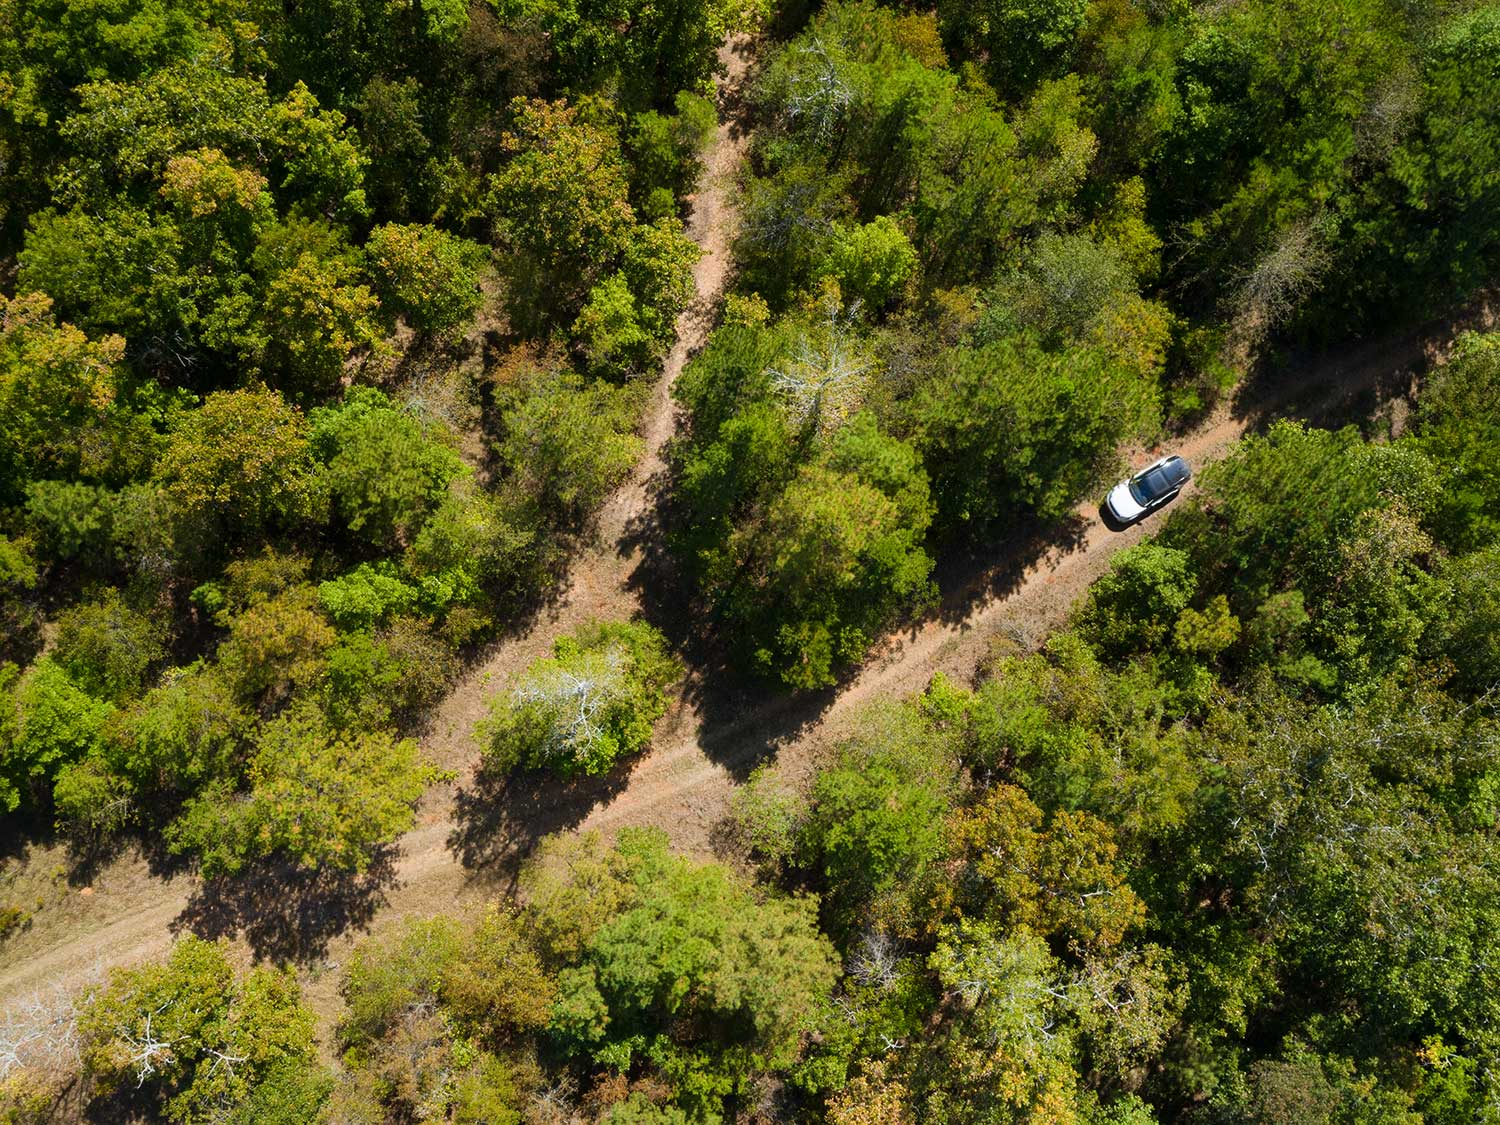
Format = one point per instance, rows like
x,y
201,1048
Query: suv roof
x,y
1159,479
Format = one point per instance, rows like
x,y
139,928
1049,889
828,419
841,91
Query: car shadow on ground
x,y
1113,522
285,912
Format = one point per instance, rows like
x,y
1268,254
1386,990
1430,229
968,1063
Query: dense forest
x,y
264,480
325,332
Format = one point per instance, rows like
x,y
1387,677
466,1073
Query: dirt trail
x,y
703,745
684,783
598,584
127,913
678,786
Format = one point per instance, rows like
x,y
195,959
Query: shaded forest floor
x,y
470,835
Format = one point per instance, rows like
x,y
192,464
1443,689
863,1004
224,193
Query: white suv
x,y
1155,485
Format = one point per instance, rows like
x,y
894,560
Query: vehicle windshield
x,y
1150,486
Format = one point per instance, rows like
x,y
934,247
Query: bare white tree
x,y
39,1032
148,1052
819,96
223,1060
877,961
827,376
575,697
556,1103
1392,110
1285,275
1009,984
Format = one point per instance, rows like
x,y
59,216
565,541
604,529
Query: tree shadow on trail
x,y
500,820
996,567
1355,382
741,730
744,719
1336,388
288,913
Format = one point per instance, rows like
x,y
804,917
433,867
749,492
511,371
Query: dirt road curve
x,y
465,841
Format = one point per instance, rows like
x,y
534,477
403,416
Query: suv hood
x,y
1122,504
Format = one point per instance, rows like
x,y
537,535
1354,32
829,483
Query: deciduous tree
x,y
591,703
56,385
385,470
319,797
1060,880
47,724
195,1034
427,275
568,442
244,461
695,977
106,647
1008,428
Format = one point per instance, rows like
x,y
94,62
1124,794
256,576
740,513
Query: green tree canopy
x,y
242,461
316,315
48,722
385,470
196,1035
320,797
591,703
568,442
57,388
427,275
1008,428
183,733
1136,605
877,815
562,199
1458,424
107,648
693,975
